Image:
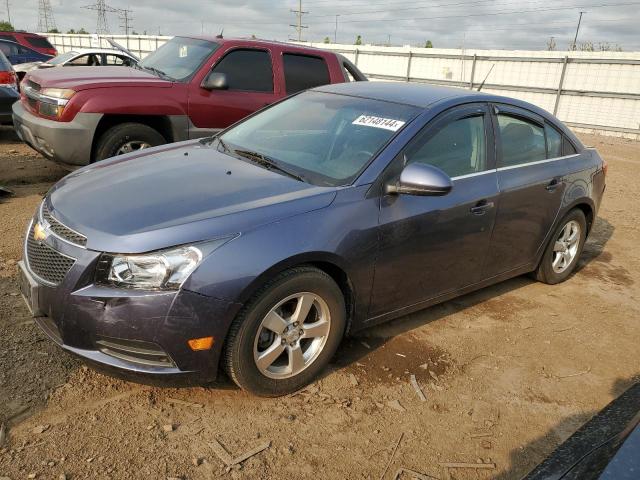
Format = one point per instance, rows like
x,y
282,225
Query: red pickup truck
x,y
188,88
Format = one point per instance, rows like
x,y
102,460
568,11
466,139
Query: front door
x,y
251,83
431,245
531,182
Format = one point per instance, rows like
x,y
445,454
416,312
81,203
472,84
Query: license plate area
x,y
29,290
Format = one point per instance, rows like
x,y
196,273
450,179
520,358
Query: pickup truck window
x,y
302,72
247,70
179,58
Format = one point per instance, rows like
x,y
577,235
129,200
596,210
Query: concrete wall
x,y
590,91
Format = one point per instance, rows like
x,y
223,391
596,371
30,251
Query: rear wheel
x,y
127,138
286,334
564,249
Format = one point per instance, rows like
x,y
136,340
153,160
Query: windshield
x,y
60,59
179,58
327,139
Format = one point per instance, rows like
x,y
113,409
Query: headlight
x,y
164,270
57,93
53,100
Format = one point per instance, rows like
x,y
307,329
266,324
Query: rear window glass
x,y
522,141
302,72
567,147
554,142
8,37
39,42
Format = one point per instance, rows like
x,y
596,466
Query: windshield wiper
x,y
268,163
157,72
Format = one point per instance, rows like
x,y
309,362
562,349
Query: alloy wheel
x,y
566,246
292,335
132,146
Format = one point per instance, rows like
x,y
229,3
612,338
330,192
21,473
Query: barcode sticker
x,y
378,122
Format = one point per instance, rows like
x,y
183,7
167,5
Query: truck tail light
x,y
605,167
8,79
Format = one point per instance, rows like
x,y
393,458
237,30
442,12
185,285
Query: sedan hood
x,y
82,78
176,194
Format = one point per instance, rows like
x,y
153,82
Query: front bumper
x,y
63,142
124,329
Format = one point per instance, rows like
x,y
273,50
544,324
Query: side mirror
x,y
421,179
215,81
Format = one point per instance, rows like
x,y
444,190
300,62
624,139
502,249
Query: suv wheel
x,y
126,138
564,248
286,334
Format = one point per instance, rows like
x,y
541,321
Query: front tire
x,y
563,251
286,334
127,138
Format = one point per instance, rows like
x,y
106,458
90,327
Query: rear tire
x,y
126,138
564,249
286,334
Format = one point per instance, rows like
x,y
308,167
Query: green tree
x,y
358,40
327,40
82,31
6,27
53,30
71,30
428,44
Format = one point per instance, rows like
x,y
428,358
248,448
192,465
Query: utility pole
x,y
335,33
125,16
299,26
8,12
575,39
102,8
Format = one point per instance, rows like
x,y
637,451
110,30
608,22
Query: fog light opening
x,y
204,343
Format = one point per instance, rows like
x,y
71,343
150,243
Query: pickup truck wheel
x,y
126,138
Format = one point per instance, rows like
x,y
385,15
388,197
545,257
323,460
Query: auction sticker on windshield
x,y
378,122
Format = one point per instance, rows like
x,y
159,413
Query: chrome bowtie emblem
x,y
40,232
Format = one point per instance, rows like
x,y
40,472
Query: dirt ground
x,y
508,372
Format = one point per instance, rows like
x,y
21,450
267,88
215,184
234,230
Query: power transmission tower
x,y
125,16
299,26
45,16
102,8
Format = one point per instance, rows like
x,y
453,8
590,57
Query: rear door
x,y
432,245
532,183
251,82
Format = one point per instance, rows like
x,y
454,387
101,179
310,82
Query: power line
x,y
299,26
102,26
46,21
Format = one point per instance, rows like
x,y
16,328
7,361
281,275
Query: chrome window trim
x,y
538,162
474,174
41,219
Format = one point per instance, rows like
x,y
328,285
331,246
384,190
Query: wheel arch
x,y
161,123
588,208
329,263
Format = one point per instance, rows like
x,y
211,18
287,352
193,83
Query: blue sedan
x,y
257,250
17,53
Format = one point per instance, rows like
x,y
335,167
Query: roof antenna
x,y
220,34
485,78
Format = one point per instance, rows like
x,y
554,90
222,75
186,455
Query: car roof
x,y
415,94
81,51
255,41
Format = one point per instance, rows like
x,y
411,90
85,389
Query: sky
x,y
499,24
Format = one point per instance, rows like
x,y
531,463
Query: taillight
x,y
605,167
8,79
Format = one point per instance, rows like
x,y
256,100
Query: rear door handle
x,y
481,207
553,184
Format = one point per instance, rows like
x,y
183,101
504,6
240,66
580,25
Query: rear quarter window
x,y
302,72
38,42
567,147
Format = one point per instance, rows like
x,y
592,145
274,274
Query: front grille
x,y
61,230
135,351
45,262
33,85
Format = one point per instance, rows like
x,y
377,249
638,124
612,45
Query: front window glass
x,y
328,139
247,70
62,58
522,141
179,58
458,148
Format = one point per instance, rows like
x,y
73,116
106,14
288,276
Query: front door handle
x,y
552,185
481,207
